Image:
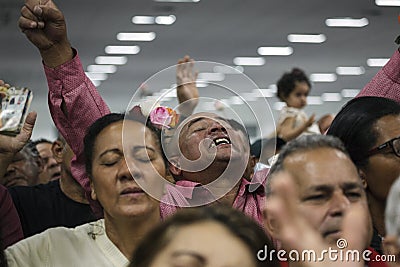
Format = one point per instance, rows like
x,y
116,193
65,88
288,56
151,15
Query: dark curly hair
x,y
287,82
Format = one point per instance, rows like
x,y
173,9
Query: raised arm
x,y
74,101
187,92
386,83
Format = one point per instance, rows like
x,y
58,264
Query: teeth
x,y
220,141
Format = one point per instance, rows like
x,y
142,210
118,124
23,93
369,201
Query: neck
x,y
216,171
377,211
126,234
71,188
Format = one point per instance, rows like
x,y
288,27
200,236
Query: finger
x,y
29,123
48,13
26,24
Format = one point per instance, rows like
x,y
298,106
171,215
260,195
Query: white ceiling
x,y
209,30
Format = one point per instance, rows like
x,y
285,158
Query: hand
x,y
187,91
44,25
10,145
310,120
296,233
2,83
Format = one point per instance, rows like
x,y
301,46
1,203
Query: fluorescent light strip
x,y
178,1
279,105
136,36
236,100
323,77
211,76
102,68
143,20
346,22
350,92
96,83
331,97
110,60
306,38
387,2
165,20
350,70
249,61
275,51
377,62
314,100
96,76
122,49
228,69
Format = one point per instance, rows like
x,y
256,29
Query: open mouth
x,y
220,141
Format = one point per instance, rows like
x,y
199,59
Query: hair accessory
x,y
160,116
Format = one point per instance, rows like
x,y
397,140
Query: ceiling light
x,y
122,49
350,70
211,76
331,97
228,69
275,51
306,38
136,36
165,20
314,100
346,22
236,100
249,61
350,92
109,60
96,83
143,20
387,2
377,62
323,77
279,105
102,68
201,84
96,76
178,1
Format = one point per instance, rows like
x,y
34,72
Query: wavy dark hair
x,y
238,224
354,125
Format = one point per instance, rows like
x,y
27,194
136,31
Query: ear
x,y
363,178
93,192
269,223
174,167
57,148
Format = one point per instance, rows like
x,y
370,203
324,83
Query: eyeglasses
x,y
394,144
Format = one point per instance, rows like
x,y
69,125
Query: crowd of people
x,y
161,189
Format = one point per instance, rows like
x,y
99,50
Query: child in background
x,y
293,89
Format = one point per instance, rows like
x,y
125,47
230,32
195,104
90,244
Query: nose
x,y
128,170
339,204
217,127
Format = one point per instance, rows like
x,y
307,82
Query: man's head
x,y
203,145
25,167
51,169
327,181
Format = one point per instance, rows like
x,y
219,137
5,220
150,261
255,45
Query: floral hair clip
x,y
160,116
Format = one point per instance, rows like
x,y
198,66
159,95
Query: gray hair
x,y
392,212
302,144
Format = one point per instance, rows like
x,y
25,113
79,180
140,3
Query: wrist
x,y
57,54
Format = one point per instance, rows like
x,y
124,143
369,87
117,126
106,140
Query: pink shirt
x,y
84,106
